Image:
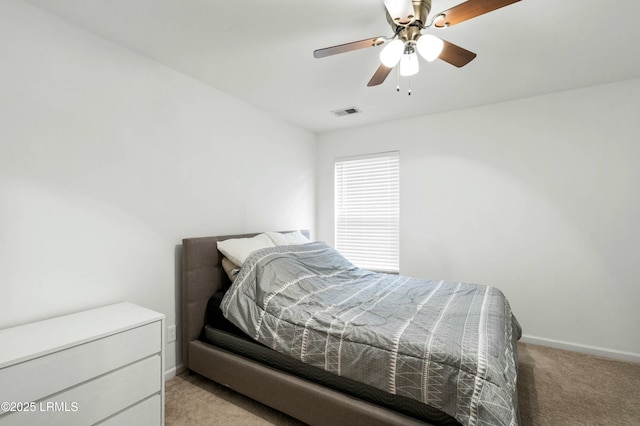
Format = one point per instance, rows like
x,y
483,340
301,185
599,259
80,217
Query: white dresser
x,y
103,366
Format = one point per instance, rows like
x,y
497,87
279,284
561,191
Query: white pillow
x,y
238,249
230,268
288,239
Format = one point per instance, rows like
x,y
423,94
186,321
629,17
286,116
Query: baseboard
x,y
576,347
171,372
174,371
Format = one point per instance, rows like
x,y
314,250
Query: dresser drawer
x,y
37,378
98,399
147,412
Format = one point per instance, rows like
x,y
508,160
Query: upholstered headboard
x,y
202,276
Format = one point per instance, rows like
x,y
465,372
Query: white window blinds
x,y
367,215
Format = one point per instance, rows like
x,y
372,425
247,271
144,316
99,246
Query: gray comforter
x,y
449,345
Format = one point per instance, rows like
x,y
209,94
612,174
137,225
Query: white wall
x,y
108,160
538,197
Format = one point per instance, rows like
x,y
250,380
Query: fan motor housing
x,y
421,10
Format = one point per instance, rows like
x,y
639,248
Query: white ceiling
x,y
261,51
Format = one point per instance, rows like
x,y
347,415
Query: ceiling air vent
x,y
346,111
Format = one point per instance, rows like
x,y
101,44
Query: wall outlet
x,y
171,334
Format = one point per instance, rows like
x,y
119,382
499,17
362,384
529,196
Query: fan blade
x,y
348,47
456,55
380,75
467,10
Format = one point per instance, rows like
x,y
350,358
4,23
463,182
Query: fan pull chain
x,y
398,85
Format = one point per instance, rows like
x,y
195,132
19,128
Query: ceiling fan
x,y
407,19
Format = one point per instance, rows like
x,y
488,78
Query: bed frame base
x,y
306,401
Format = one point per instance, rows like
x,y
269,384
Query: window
x,y
367,214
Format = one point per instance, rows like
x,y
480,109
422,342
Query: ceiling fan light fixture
x,y
401,11
409,64
390,55
429,47
407,19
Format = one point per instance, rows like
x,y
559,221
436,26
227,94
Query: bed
x,y
259,367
